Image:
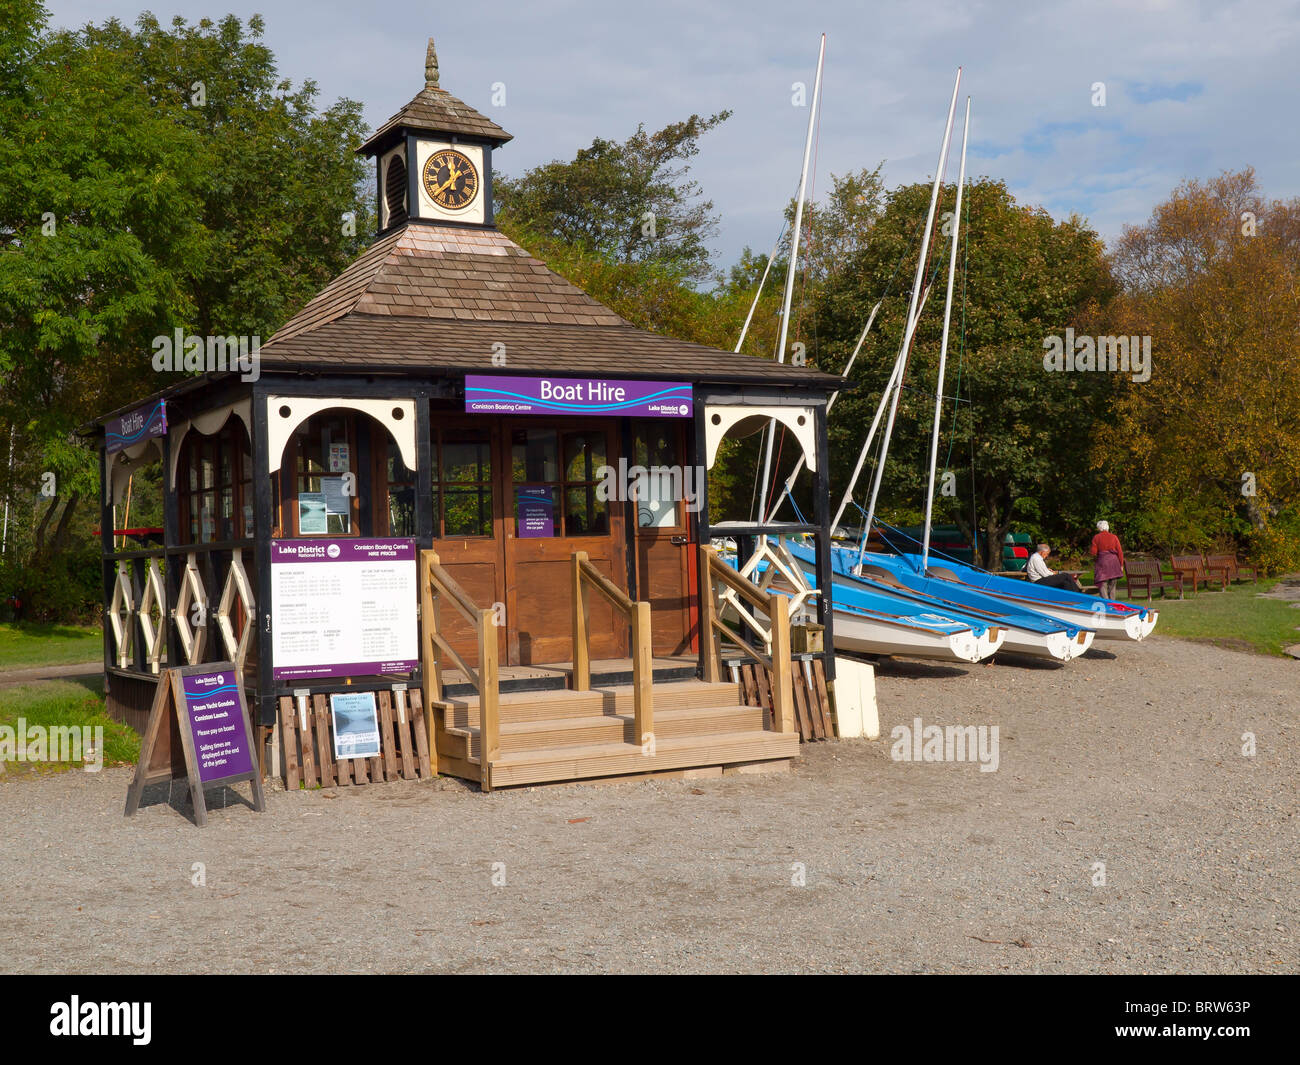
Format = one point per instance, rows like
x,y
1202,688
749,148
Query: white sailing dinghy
x,y
869,620
1029,631
1110,620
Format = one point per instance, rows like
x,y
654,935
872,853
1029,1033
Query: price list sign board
x,y
343,608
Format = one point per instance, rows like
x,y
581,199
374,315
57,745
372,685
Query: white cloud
x,y
578,69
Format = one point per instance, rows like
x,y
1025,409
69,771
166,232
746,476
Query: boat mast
x,y
913,315
790,270
943,346
871,433
803,459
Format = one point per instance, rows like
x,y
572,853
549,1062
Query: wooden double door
x,y
514,498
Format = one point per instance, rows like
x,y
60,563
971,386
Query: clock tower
x,y
433,159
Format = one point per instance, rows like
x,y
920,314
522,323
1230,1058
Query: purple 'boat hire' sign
x,y
217,725
143,423
578,395
343,608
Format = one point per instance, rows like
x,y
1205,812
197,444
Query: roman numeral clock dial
x,y
450,179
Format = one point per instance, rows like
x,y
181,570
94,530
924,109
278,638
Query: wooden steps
x,y
605,729
619,759
548,705
559,735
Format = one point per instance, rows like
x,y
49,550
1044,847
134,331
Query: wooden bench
x,y
1192,568
1146,575
1232,569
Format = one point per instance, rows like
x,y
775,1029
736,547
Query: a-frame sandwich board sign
x,y
198,731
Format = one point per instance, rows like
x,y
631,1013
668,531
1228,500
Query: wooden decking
x,y
559,734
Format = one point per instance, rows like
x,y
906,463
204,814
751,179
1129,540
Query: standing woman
x,y
1109,553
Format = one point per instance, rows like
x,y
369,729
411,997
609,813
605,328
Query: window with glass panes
x,y
658,447
215,489
462,488
325,500
554,475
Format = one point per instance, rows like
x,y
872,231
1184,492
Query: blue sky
x,y
1191,88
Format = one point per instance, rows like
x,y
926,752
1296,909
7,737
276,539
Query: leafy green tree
x,y
624,201
1017,440
150,179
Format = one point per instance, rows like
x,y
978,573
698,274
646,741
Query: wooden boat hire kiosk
x,y
461,483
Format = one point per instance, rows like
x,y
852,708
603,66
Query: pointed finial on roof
x,y
431,67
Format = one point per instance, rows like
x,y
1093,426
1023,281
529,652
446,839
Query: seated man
x,y
1039,572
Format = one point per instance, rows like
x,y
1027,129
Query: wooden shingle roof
x,y
452,274
436,110
441,298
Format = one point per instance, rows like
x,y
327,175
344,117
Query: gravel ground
x,y
1131,756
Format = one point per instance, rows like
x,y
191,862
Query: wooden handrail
x,y
737,583
437,585
459,599
585,574
612,591
774,605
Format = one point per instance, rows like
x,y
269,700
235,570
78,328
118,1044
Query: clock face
x,y
450,179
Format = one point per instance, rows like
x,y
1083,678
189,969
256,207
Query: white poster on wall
x,y
343,608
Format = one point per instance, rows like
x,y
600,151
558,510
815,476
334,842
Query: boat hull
x,y
1023,632
866,636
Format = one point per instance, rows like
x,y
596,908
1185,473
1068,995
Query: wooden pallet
x,y
309,760
811,699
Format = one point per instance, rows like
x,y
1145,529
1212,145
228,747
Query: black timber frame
x,y
819,528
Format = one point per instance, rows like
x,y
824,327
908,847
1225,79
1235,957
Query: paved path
x,y
35,673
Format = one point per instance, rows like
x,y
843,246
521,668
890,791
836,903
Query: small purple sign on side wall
x,y
217,724
143,423
578,395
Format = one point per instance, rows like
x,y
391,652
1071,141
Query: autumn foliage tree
x,y
1207,453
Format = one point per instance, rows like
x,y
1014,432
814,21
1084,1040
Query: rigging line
x,y
848,367
907,359
866,532
803,286
812,221
926,392
776,471
744,329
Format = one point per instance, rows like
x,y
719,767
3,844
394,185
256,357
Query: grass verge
x,y
1239,618
24,644
62,702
